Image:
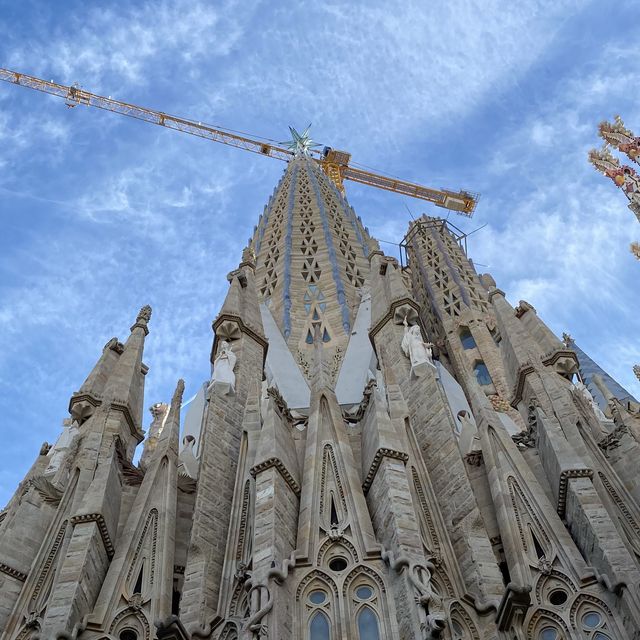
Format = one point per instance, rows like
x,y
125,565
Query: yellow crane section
x,y
333,162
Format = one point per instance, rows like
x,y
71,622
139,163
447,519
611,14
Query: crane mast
x,y
333,162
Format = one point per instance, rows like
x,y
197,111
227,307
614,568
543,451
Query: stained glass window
x,y
368,625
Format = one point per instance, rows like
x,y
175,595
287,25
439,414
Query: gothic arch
x,y
144,558
230,631
134,619
586,603
329,546
364,588
552,582
371,575
459,615
544,618
317,593
331,487
529,524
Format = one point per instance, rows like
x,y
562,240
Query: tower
x,y
381,452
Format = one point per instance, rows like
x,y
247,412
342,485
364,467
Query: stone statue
x,y
586,394
223,381
418,351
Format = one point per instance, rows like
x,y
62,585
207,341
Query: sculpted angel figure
x,y
224,379
416,349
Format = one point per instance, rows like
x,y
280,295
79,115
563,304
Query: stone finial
x,y
144,315
567,339
636,370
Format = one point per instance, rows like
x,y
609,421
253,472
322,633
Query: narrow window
x,y
467,339
334,513
309,339
482,374
536,545
325,336
319,627
368,625
138,587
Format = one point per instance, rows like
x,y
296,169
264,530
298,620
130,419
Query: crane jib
x,y
336,164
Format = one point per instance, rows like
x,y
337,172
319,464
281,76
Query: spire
x,y
310,260
125,385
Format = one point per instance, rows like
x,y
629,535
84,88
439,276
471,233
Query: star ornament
x,y
300,143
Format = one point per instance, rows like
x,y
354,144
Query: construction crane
x,y
333,162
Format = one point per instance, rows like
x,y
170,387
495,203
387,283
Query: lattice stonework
x,y
344,234
272,240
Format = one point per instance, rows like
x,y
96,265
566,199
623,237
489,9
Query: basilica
x,y
386,449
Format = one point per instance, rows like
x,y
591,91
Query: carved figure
x,y
223,381
416,349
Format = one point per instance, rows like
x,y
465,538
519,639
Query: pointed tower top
x,y
177,394
143,317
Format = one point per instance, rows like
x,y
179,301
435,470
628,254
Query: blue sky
x,y
102,214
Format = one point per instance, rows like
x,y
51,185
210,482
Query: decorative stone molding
x,y
284,472
121,405
523,372
102,527
620,503
14,573
377,460
565,476
565,361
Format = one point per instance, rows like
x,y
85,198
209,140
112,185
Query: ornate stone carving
x,y
223,381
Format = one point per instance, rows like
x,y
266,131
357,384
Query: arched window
x,y
467,339
482,373
368,628
319,627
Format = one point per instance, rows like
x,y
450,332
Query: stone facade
x,y
334,487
